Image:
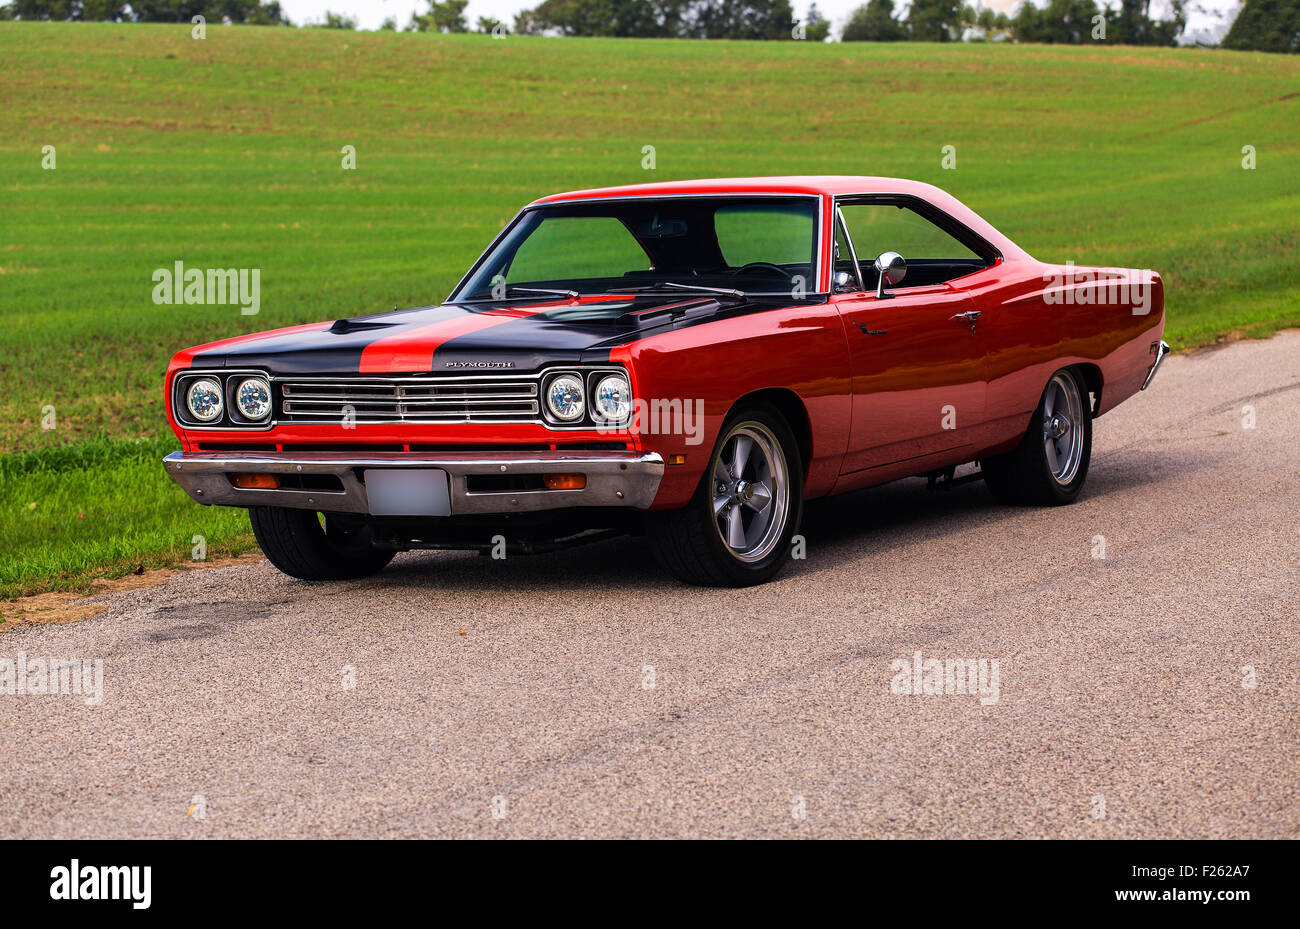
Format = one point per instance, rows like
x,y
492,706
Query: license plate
x,y
408,492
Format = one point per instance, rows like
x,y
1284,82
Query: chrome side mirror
x,y
892,269
844,282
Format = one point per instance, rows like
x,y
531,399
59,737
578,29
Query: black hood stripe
x,y
444,338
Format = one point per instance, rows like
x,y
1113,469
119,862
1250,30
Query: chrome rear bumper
x,y
1161,352
614,479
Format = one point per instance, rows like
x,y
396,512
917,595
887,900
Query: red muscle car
x,y
689,361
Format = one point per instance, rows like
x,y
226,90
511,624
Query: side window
x,y
565,247
933,255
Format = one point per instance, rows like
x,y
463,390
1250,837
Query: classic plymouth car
x,y
686,361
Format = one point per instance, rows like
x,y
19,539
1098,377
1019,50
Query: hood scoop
x,y
359,324
385,320
677,309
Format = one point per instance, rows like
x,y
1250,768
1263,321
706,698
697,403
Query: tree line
x,y
255,12
1264,25
1129,22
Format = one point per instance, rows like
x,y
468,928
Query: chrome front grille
x,y
409,400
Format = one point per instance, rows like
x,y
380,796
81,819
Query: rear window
x,y
777,234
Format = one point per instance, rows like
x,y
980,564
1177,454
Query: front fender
x,y
688,380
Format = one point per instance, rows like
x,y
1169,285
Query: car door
x,y
916,357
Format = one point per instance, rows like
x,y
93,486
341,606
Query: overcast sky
x,y
370,13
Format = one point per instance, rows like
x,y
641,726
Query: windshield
x,y
754,245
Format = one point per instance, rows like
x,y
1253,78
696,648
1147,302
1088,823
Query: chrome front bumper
x,y
614,479
1161,352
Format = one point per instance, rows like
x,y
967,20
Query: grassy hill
x,y
225,152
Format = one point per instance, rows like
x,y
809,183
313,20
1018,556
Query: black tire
x,y
296,543
1025,476
689,543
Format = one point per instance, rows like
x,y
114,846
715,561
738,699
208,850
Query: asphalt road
x,y
516,698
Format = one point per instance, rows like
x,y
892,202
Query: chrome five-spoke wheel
x,y
738,528
751,491
1050,464
1062,432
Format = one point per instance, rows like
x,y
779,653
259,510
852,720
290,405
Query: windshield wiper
x,y
543,291
673,285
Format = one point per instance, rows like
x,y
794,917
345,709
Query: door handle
x,y
970,316
865,331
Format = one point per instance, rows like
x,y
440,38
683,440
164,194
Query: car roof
x,y
834,185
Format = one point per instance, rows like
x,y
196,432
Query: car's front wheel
x,y
737,529
1050,464
308,545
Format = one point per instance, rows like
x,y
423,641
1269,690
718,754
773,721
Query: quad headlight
x,y
566,398
253,398
203,399
598,396
612,399
223,400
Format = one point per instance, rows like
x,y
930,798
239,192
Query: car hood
x,y
469,339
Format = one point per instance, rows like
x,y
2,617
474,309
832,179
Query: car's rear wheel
x,y
312,546
737,529
1050,464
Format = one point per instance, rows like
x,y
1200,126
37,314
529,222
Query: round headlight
x,y
203,398
612,400
564,398
253,397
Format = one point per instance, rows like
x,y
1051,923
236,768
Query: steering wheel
x,y
761,266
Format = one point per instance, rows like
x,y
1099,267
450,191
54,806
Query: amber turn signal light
x,y
677,459
255,481
566,481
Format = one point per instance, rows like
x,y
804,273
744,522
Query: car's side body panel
x,y
918,376
1027,338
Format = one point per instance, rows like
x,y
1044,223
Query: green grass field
x,y
225,152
